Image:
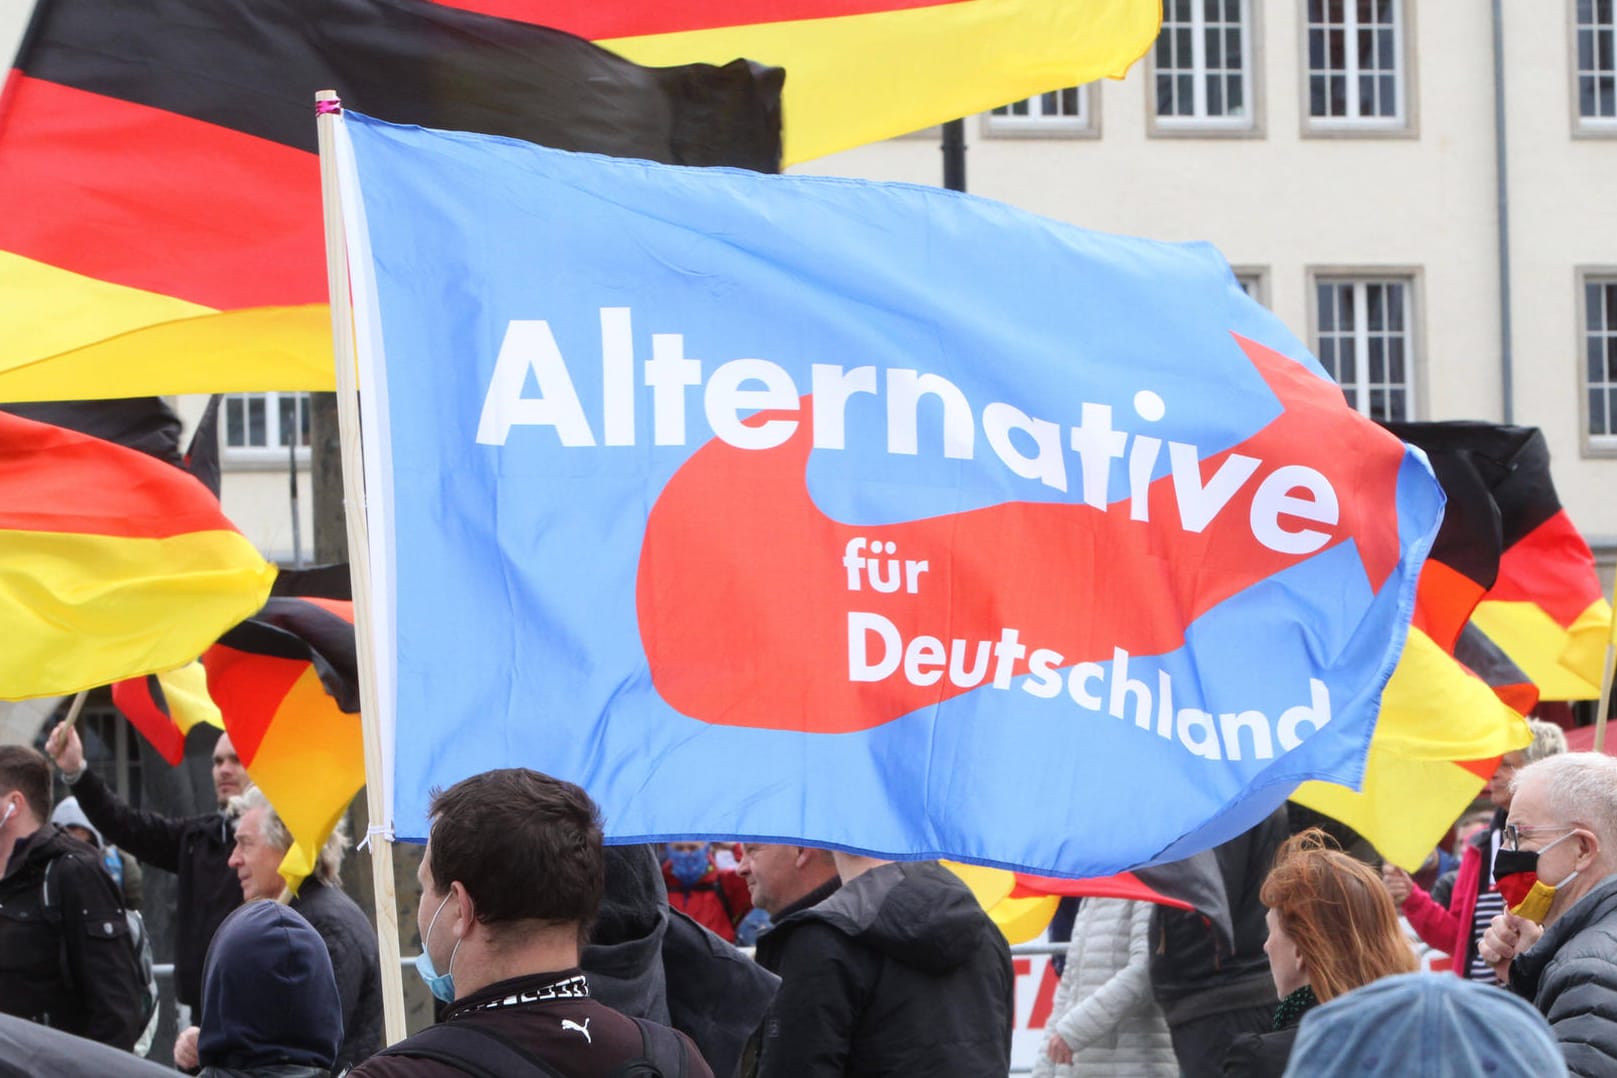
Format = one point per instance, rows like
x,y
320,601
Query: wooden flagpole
x,y
1606,676
329,115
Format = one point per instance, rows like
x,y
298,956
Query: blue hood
x,y
268,993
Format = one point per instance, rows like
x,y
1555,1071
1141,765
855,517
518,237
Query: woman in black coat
x,y
1332,928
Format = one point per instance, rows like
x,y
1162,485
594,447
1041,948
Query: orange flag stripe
x,y
310,764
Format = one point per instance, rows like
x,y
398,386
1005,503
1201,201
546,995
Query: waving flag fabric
x,y
1546,609
164,152
1510,557
164,707
864,70
287,685
1456,701
99,547
871,516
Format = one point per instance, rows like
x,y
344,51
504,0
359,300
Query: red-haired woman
x,y
1332,928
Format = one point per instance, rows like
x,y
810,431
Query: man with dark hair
x,y
195,848
65,955
511,880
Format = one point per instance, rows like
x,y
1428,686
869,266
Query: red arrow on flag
x,y
744,599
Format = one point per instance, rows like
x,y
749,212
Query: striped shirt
x,y
1490,903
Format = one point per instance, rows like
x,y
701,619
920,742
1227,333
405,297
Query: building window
x,y
1059,112
1203,64
1600,358
1254,282
264,424
1597,62
1364,339
1355,63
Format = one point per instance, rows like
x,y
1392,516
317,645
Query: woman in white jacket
x,y
1104,1020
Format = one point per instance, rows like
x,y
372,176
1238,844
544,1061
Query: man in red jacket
x,y
714,897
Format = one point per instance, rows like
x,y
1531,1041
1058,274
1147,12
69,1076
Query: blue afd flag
x,y
864,515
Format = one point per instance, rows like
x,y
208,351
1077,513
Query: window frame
x,y
271,456
1086,125
1405,124
1200,126
1259,276
1414,336
1586,126
1593,445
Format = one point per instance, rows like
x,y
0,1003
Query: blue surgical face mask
x,y
441,985
688,866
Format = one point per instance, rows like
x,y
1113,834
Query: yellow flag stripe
x,y
47,310
78,610
1540,647
72,337
950,60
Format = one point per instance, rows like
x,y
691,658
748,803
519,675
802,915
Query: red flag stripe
x,y
249,690
58,481
224,219
1551,566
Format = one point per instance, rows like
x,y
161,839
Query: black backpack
x,y
482,1053
139,942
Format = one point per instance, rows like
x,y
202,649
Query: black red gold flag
x,y
164,152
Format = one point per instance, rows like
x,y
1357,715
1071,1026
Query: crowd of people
x,y
548,952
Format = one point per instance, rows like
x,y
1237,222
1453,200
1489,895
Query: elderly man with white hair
x,y
1559,866
261,841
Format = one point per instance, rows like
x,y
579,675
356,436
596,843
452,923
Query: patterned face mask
x,y
1515,873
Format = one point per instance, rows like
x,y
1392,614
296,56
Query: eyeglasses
x,y
1514,833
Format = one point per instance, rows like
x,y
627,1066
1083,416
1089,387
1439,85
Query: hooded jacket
x,y
900,972
351,942
269,998
195,848
67,962
1571,977
650,961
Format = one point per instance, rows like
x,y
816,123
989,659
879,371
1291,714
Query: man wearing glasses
x,y
1561,839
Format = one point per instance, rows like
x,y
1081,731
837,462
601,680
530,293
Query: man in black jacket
x,y
1208,993
65,956
195,848
261,842
783,881
899,972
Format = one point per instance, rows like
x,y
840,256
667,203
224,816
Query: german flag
x,y
865,70
1439,736
287,683
157,162
163,707
1546,610
1509,558
99,547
